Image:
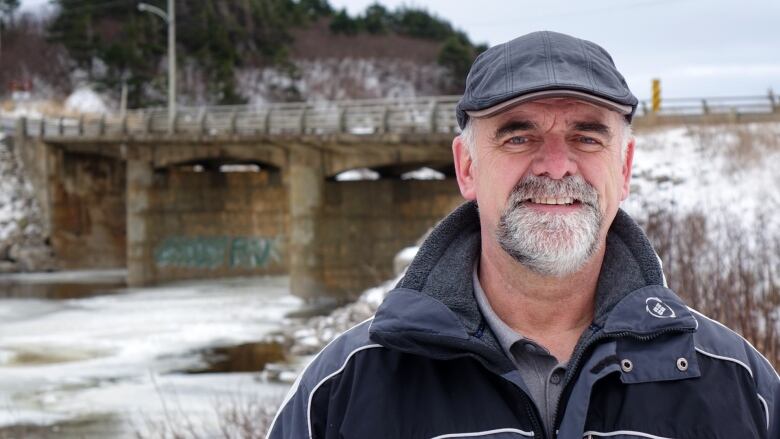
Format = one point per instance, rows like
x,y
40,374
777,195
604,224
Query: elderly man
x,y
538,308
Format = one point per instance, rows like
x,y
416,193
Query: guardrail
x,y
423,115
7,125
358,117
737,105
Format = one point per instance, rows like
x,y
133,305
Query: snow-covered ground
x,y
712,169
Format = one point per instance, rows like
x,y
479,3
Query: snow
x,y
85,100
423,173
720,170
357,175
123,353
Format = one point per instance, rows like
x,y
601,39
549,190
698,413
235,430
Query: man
x,y
538,308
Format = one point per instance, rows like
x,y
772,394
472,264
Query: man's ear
x,y
627,163
464,168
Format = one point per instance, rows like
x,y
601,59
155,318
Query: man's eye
x,y
588,140
517,140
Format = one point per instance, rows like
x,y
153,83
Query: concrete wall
x,y
216,224
365,223
212,224
86,210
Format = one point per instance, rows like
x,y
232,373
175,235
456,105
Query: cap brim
x,y
545,94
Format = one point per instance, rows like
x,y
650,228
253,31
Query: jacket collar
x,y
432,311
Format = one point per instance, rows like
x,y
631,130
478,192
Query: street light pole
x,y
170,19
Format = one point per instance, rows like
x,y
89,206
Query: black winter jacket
x,y
428,366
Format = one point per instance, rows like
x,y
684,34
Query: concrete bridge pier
x,y
140,257
306,183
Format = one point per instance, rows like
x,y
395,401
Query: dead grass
x,y
744,145
236,418
724,269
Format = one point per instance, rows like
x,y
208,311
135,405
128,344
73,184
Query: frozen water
x,y
121,354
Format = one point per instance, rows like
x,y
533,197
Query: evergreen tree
x,y
7,10
377,19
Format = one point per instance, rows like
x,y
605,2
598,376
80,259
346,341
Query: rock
x,y
22,233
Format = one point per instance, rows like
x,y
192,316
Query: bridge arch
x,y
268,155
391,163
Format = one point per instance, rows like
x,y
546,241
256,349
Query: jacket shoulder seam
x,y
751,349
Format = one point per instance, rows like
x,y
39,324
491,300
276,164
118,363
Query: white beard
x,y
551,244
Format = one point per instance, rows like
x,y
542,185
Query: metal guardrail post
x,y
201,121
343,120
386,119
148,122
174,122
302,121
21,127
434,107
234,122
267,121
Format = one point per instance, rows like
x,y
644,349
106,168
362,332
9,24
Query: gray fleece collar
x,y
443,267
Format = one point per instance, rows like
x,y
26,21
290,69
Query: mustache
x,y
572,186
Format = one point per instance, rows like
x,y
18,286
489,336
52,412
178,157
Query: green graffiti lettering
x,y
252,252
216,252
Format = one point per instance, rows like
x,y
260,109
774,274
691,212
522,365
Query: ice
x,y
122,353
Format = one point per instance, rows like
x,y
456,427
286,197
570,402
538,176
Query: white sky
x,y
699,48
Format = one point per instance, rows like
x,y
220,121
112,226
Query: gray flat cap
x,y
541,65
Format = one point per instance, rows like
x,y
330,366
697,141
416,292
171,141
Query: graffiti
x,y
217,252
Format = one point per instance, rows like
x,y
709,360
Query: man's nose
x,y
554,159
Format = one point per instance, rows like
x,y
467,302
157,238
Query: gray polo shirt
x,y
541,372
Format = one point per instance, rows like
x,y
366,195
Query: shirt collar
x,y
506,336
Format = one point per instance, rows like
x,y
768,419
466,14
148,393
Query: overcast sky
x,y
698,48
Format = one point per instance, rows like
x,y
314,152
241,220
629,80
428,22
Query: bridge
x,y
252,190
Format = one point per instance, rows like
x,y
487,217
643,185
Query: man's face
x,y
548,177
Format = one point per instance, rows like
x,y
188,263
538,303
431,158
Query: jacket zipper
x,y
596,337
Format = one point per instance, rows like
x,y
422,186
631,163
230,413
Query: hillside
x,y
231,53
